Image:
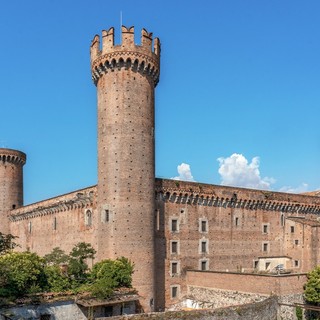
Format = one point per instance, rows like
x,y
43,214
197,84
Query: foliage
x,y
21,273
109,274
56,257
57,281
102,288
7,243
25,272
312,287
77,266
299,313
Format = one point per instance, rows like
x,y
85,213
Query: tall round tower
x,y
125,76
11,184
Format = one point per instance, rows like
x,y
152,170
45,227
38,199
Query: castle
x,y
164,226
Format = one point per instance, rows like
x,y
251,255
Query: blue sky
x,y
237,103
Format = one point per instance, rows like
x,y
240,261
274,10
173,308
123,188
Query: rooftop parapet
x,y
108,55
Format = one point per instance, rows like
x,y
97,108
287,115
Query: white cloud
x,y
300,189
237,171
184,172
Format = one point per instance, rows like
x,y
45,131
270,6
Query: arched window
x,y
88,218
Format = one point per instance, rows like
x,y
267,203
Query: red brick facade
x,y
165,227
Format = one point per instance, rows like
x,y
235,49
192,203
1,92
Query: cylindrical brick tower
x,y
11,184
125,76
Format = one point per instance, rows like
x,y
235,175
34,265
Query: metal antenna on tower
x,y
120,24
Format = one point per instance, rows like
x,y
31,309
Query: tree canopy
x,y
312,287
6,243
25,272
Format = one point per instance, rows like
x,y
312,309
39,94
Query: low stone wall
x,y
287,312
206,298
58,310
265,310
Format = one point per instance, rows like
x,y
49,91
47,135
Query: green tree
x,y
21,273
7,243
57,281
107,275
77,265
56,257
312,287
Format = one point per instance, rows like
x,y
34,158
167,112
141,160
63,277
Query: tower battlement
x,y
109,56
12,156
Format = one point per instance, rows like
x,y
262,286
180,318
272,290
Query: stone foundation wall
x,y
206,298
58,310
265,310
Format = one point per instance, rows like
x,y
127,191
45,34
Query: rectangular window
x,y
174,268
106,215
296,242
54,223
204,265
236,221
265,228
267,265
292,229
255,264
265,247
174,225
174,247
296,263
204,226
203,246
174,292
30,226
158,219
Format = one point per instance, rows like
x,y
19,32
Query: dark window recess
x,y
292,229
296,263
45,316
107,216
108,311
265,247
203,265
203,246
174,247
174,225
237,221
174,267
265,229
174,292
204,226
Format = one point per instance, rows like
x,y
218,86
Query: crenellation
x,y
95,48
127,37
107,39
146,39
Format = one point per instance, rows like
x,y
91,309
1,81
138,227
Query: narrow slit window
x,y
203,246
204,226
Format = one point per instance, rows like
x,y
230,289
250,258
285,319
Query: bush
x,y
21,273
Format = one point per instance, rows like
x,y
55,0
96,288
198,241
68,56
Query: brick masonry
x,y
165,227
